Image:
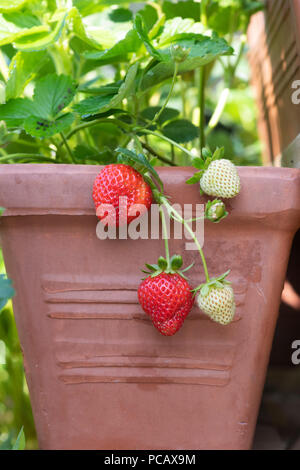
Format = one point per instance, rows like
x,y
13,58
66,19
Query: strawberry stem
x,y
178,217
163,137
157,115
165,234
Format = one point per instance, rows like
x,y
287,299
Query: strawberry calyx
x,y
202,163
173,266
217,282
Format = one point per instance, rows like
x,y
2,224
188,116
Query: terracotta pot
x,y
100,376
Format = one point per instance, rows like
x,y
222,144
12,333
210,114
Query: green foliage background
x,y
81,39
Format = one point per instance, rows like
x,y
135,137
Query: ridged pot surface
x,y
100,375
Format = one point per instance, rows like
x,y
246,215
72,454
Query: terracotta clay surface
x,y
100,375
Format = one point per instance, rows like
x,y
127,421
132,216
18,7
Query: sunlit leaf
x,y
11,5
23,68
119,52
31,41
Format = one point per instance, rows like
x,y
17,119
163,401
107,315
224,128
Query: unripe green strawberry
x,y
218,304
221,179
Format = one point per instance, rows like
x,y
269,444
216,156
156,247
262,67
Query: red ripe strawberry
x,y
167,299
119,180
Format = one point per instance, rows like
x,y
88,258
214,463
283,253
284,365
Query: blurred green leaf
x,y
143,35
38,37
183,8
166,115
120,15
117,53
10,32
180,130
20,442
6,290
11,5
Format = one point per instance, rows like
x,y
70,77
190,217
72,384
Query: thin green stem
x,y
165,234
215,118
72,158
147,147
3,67
178,217
138,144
86,125
25,156
163,137
157,115
183,97
203,12
201,105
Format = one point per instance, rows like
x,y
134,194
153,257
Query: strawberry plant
x,y
91,83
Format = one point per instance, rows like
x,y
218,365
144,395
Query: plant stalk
x,y
201,105
165,234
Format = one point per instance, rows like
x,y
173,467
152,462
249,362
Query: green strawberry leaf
x,y
206,153
23,68
195,178
40,127
41,117
167,115
218,153
83,153
35,40
109,89
143,35
88,7
52,94
202,51
15,111
6,6
182,8
198,163
120,15
150,16
96,104
118,52
10,32
180,130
